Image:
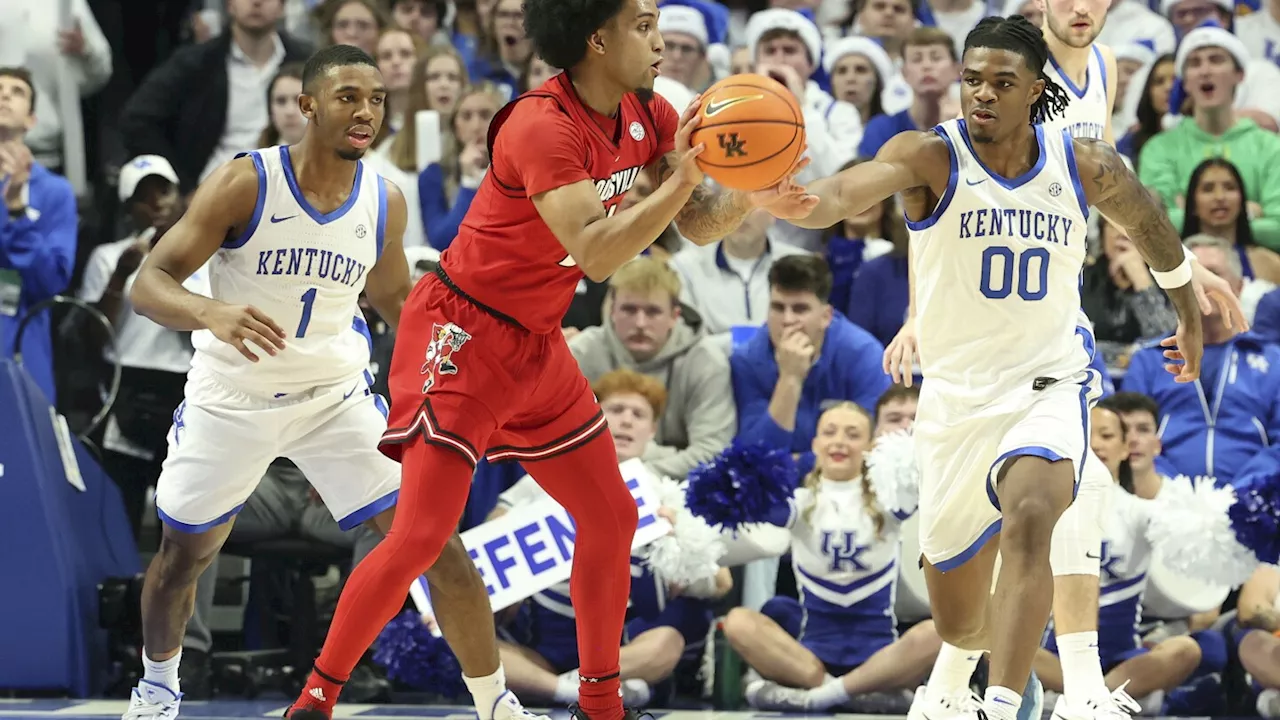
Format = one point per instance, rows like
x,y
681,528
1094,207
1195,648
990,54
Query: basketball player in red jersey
x,y
481,368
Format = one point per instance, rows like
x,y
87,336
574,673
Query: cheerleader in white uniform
x,y
840,638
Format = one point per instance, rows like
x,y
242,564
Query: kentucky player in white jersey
x,y
997,204
840,639
292,236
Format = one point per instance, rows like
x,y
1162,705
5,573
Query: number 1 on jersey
x,y
998,287
308,299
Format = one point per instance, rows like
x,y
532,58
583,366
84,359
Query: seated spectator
x,y
666,627
423,18
1256,632
878,294
840,639
727,281
1126,556
930,67
1211,63
804,357
887,23
182,111
398,51
37,235
446,188
285,121
859,71
504,49
1121,298
1141,417
896,409
1145,106
686,34
1216,206
646,332
1131,59
1134,21
153,358
1215,425
353,22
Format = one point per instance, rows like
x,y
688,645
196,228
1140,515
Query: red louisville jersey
x,y
505,257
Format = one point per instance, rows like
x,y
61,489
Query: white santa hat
x,y
683,19
1136,52
783,19
1209,36
1166,6
866,47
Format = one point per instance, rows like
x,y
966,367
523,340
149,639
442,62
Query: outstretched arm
x,y
1111,187
895,168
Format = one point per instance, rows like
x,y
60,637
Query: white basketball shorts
x,y
222,441
960,449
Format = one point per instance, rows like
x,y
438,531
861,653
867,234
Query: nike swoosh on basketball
x,y
715,108
1091,556
275,219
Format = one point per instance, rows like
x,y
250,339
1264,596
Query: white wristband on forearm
x,y
1176,277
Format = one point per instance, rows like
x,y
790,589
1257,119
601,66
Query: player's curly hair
x,y
1015,33
559,29
330,57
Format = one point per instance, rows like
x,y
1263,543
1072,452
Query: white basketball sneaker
x,y
152,701
964,704
508,707
1116,706
768,695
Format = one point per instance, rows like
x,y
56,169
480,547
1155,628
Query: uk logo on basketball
x,y
446,340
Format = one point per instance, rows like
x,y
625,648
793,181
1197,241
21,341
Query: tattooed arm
x,y
709,214
1111,187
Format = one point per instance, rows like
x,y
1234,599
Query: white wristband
x,y
1176,277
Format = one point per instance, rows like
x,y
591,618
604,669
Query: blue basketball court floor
x,y
274,709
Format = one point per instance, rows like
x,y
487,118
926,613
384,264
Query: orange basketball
x,y
753,129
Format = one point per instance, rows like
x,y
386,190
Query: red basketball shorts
x,y
467,380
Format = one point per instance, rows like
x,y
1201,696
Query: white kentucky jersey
x,y
305,270
997,273
842,566
1087,110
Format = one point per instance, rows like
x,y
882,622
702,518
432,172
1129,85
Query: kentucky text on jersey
x,y
311,262
1086,130
617,184
1010,222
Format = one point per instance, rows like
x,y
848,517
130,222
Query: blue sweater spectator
x,y
805,356
439,216
882,127
1216,425
37,233
880,295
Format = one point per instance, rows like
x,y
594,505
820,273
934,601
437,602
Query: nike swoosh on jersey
x,y
353,392
275,219
967,182
715,108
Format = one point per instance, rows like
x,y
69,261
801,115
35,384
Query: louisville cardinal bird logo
x,y
446,340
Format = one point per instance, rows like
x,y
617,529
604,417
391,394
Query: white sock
x,y
161,672
951,672
1001,703
486,690
1081,669
828,695
567,687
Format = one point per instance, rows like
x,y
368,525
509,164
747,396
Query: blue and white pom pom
x,y
743,484
893,475
418,659
1206,532
691,555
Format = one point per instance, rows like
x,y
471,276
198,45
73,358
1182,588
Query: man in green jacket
x,y
1211,63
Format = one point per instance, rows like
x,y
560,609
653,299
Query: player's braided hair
x,y
1017,34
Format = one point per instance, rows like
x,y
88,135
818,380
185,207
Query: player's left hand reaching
x,y
1183,352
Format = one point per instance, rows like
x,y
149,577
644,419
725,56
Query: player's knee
x,y
1028,522
453,569
617,519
